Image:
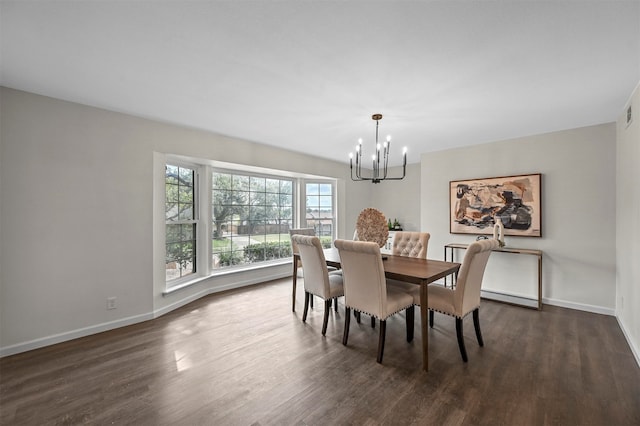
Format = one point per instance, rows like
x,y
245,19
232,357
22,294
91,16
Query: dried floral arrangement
x,y
372,226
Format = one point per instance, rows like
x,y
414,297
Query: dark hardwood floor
x,y
243,358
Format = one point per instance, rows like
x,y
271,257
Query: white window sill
x,y
224,272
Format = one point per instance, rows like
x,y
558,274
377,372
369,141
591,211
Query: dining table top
x,y
403,268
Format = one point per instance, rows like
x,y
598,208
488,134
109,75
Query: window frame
x,y
197,221
303,204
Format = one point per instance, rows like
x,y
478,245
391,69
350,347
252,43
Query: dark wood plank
x,y
242,357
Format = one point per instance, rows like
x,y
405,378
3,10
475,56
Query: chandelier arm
x,y
386,159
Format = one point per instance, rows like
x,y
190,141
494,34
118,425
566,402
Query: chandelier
x,y
379,159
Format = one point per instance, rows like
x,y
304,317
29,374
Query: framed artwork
x,y
475,204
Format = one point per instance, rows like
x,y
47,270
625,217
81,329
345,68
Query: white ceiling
x,y
307,75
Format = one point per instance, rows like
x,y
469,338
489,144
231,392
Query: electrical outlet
x,y
111,303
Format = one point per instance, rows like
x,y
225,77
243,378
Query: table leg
x,y
295,283
539,282
424,309
445,259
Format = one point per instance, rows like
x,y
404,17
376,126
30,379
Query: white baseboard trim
x,y
580,306
74,334
635,350
207,291
123,322
510,298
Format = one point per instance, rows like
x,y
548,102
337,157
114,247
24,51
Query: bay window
x,y
220,220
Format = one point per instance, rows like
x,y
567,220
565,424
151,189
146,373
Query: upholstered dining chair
x,y
410,244
365,288
316,277
294,249
458,302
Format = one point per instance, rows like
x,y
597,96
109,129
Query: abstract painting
x,y
516,200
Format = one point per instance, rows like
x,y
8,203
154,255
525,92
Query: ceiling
x,y
308,75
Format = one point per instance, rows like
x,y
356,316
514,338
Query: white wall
x,y
400,199
628,224
76,215
578,212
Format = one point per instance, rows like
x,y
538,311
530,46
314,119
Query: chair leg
x,y
383,330
335,303
327,309
430,318
476,324
347,319
311,300
357,315
410,315
373,322
306,306
463,351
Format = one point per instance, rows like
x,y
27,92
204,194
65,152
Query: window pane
x,y
185,211
171,174
313,189
286,186
171,191
325,189
313,202
179,193
260,211
273,186
241,183
285,213
257,184
180,251
325,202
221,181
186,176
285,200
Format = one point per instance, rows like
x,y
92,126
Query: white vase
x,y
498,231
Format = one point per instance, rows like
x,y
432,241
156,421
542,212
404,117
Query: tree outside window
x,y
251,219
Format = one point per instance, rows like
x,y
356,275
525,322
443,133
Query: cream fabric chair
x,y
317,280
410,244
294,249
465,297
365,288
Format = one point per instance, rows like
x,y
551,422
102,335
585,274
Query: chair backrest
x,y
365,286
410,244
315,273
299,231
467,292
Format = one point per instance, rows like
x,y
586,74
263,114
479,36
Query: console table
x,y
538,253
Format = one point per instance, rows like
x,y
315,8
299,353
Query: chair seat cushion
x,y
441,300
336,288
411,289
397,300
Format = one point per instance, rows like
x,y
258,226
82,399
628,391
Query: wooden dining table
x,y
413,270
